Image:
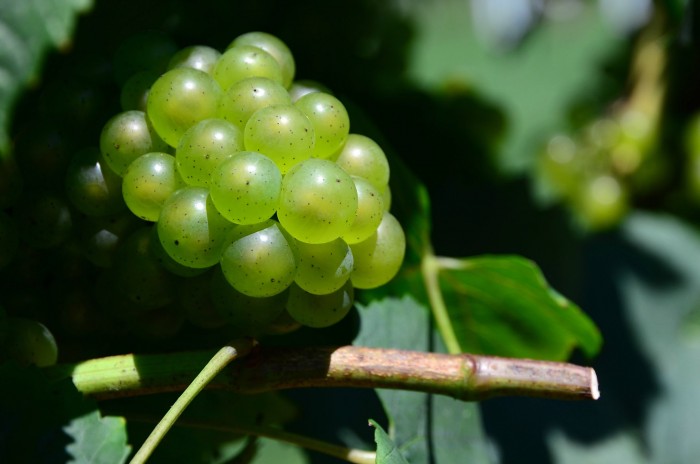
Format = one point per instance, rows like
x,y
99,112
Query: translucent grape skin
x,y
323,268
318,201
260,260
304,87
200,57
148,182
370,210
127,136
190,228
203,147
91,185
246,97
281,132
320,311
246,187
379,258
329,119
244,61
362,157
275,47
179,99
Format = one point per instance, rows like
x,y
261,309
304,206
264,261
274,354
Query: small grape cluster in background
x,y
226,194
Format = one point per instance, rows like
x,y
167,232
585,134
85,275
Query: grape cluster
x,y
240,167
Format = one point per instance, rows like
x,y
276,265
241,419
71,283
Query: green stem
x,y
352,455
215,365
430,267
467,377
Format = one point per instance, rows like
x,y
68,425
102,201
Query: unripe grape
x,y
304,87
323,268
91,185
320,311
318,202
379,258
329,119
199,57
179,99
127,136
246,97
148,182
362,157
370,210
244,61
275,47
28,342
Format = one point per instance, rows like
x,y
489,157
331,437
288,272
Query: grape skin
x,y
275,47
329,119
370,211
378,259
244,61
91,185
148,182
362,157
246,97
323,268
320,311
198,57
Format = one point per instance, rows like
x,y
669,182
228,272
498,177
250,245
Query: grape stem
x,y
465,377
212,368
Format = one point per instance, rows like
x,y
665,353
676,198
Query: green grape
x,y
370,210
198,57
9,239
601,202
362,157
148,182
168,263
244,61
203,147
275,47
318,202
246,188
195,296
179,99
99,237
379,258
246,97
127,136
139,276
560,167
146,51
28,342
190,228
281,132
91,186
44,221
304,87
329,119
320,311
247,314
323,268
260,260
134,93
386,197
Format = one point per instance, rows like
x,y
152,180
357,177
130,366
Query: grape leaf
x,y
387,453
424,427
97,439
503,305
28,29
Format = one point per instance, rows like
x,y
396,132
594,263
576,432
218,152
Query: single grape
x,y
247,315
260,260
329,119
281,132
190,228
91,185
198,57
362,157
138,274
179,99
246,188
44,221
379,258
168,263
370,210
320,311
99,237
134,93
323,268
127,136
246,97
145,51
304,87
275,47
204,147
601,202
318,202
28,342
9,239
148,182
244,61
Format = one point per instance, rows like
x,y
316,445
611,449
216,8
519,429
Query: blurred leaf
x,y
503,305
422,426
387,453
28,29
535,84
97,439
